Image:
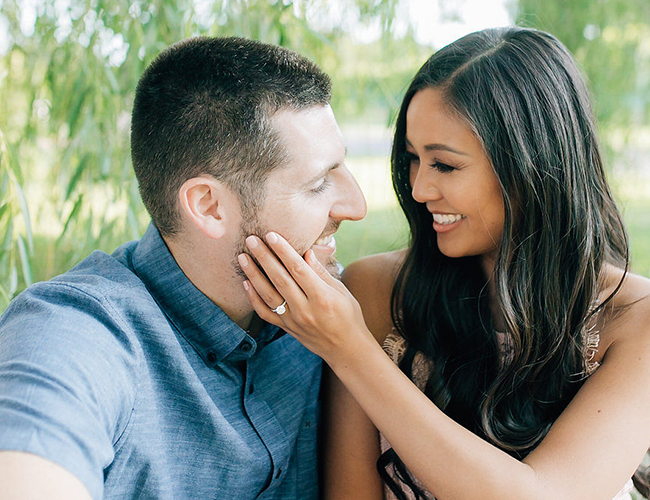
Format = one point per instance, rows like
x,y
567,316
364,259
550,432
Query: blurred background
x,y
68,71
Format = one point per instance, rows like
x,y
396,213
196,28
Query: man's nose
x,y
351,204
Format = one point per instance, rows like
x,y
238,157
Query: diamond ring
x,y
281,309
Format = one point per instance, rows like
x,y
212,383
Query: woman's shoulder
x,y
371,281
627,317
633,295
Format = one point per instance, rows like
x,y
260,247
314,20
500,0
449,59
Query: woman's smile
x,y
443,223
452,175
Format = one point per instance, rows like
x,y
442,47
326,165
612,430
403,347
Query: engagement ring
x,y
281,309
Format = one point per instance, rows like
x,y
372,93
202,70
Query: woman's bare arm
x,y
24,476
351,440
590,451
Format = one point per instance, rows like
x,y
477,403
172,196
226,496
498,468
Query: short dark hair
x,y
203,106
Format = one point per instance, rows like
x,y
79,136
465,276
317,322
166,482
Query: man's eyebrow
x,y
320,174
439,147
324,172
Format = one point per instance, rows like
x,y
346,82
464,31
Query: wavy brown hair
x,y
520,92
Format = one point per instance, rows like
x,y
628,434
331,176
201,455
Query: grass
x,y
382,230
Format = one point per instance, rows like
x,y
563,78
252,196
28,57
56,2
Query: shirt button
x,y
246,346
278,474
212,357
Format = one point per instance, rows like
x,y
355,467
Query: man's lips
x,y
324,248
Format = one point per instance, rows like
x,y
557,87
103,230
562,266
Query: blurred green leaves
x,y
611,41
68,71
67,79
17,244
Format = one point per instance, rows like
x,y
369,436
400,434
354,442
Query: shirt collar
x,y
213,335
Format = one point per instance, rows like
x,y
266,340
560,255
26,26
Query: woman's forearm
x,y
449,460
590,451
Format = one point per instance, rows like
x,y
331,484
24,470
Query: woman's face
x,y
450,173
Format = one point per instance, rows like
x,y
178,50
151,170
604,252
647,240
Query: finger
x,y
320,269
261,285
277,274
261,308
307,278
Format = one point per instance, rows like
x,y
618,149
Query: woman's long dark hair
x,y
522,95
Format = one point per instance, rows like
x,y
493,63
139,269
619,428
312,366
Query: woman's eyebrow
x,y
439,147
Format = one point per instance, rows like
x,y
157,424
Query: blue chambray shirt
x,y
125,374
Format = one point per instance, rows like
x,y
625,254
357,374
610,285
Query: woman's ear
x,y
209,205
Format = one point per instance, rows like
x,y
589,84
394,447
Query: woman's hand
x,y
320,312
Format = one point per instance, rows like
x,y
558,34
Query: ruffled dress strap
x,y
395,346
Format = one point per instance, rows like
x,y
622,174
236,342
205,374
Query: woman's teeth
x,y
446,218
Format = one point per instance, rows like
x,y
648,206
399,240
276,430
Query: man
x,y
146,373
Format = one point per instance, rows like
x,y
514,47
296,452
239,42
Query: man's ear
x,y
209,204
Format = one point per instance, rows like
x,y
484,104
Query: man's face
x,y
308,197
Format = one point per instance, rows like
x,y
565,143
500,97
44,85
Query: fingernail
x,y
272,237
247,285
251,241
243,259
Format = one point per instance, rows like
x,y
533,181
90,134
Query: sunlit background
x,y
68,70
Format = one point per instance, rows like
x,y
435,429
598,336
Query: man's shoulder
x,y
75,363
99,294
100,266
99,277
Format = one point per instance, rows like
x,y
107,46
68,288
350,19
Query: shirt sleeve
x,y
67,379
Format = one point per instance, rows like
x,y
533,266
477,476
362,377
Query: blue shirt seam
x,y
106,304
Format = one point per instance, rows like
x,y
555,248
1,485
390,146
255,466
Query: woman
x,y
522,342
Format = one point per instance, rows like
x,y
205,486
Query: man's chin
x,y
327,257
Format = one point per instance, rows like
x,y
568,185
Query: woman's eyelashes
x,y
439,166
443,168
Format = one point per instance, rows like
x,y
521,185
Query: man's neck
x,y
217,279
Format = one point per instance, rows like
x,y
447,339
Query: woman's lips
x,y
443,223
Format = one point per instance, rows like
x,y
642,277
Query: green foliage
x,y
372,78
14,218
69,70
66,85
611,41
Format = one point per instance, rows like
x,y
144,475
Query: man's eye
x,y
321,187
443,168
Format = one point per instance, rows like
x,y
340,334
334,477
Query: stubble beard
x,y
254,228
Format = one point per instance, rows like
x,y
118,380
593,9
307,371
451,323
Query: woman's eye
x,y
443,168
